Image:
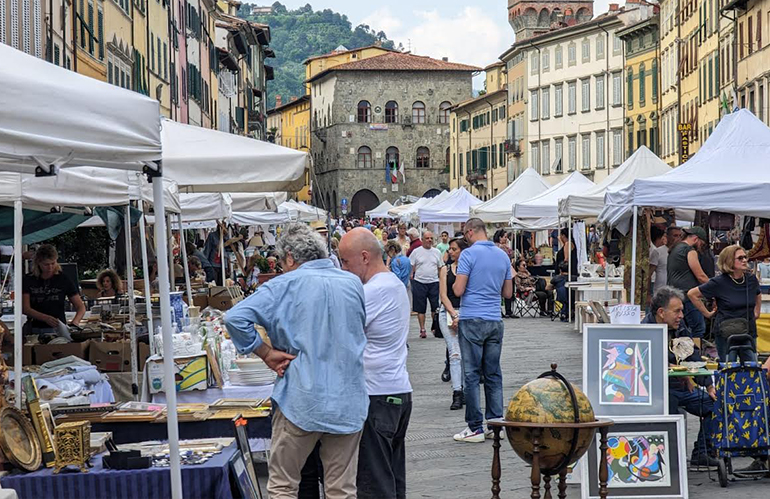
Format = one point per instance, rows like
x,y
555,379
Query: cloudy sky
x,y
473,32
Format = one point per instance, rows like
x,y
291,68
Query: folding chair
x,y
525,304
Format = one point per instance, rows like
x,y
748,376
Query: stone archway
x,y
363,200
431,193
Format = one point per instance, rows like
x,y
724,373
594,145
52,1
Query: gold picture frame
x,y
18,440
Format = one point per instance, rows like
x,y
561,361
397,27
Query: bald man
x,y
382,452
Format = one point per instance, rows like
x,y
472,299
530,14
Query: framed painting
x,y
246,488
645,460
242,440
625,369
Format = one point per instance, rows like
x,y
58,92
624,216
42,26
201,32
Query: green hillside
x,y
302,33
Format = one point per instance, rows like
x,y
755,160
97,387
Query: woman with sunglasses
x,y
737,295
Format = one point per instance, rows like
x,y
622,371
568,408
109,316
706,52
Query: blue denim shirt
x,y
317,313
402,267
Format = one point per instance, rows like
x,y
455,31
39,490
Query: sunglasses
x,y
742,258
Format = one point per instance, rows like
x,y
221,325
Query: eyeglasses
x,y
742,258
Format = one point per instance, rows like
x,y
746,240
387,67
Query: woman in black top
x,y
737,295
567,242
449,318
44,292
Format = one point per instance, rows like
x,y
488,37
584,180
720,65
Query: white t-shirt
x,y
426,263
659,258
386,329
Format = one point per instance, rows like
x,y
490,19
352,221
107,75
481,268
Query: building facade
x,y
530,18
478,135
752,75
293,118
340,55
575,98
641,46
516,73
372,115
670,57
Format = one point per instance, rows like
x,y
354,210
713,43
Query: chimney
x,y
615,7
293,98
445,59
277,101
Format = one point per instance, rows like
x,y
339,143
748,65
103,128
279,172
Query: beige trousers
x,y
291,447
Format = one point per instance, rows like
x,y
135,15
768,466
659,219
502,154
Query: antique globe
x,y
546,400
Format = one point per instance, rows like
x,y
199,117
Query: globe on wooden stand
x,y
550,424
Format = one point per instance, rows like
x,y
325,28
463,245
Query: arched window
x,y
423,157
418,113
391,112
392,156
443,112
364,157
364,112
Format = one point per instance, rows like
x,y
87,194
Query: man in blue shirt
x,y
483,274
314,316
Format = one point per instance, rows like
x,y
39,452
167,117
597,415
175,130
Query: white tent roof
x,y
301,212
729,173
546,204
455,207
380,211
533,225
205,207
52,114
203,160
642,164
83,186
498,209
252,218
256,202
405,211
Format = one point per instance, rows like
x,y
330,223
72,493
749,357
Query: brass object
x,y
73,445
38,421
18,440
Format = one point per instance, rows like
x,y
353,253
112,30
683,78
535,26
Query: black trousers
x,y
382,453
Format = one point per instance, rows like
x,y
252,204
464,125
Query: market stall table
x,y
209,480
124,432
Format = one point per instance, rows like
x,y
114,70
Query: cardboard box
x,y
116,356
200,300
192,373
27,356
46,353
224,298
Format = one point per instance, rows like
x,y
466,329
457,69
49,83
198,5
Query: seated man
x,y
667,307
558,285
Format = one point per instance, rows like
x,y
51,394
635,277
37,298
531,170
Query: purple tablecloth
x,y
210,480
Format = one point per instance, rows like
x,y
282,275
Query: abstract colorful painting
x,y
625,372
638,460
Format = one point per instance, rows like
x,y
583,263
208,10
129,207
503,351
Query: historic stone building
x,y
530,18
373,115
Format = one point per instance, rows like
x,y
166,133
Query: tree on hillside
x,y
303,33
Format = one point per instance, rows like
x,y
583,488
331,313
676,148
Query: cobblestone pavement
x,y
439,467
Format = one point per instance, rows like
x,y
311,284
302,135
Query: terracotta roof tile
x,y
399,61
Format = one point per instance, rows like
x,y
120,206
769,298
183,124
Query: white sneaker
x,y
488,433
470,436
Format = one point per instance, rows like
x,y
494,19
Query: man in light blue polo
x,y
483,275
320,395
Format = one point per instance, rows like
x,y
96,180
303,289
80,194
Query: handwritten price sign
x,y
625,313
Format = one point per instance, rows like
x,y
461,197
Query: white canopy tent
x,y
203,160
51,117
205,206
405,212
455,207
533,225
256,201
380,211
641,164
729,173
289,211
498,209
254,218
546,204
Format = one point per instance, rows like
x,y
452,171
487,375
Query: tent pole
x,y
222,251
232,267
146,274
131,303
568,257
170,239
18,266
169,381
184,261
633,258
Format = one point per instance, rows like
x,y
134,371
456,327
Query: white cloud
x,y
470,36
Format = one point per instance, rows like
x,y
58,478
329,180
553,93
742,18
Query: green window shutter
x,y
82,15
100,33
631,88
91,29
642,89
654,80
716,74
711,78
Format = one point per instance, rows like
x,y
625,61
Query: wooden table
x,y
497,425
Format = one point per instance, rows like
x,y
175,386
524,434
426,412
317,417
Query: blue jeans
x,y
694,320
697,403
481,342
452,339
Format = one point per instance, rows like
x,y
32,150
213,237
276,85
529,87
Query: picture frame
x,y
242,442
625,369
658,442
247,488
